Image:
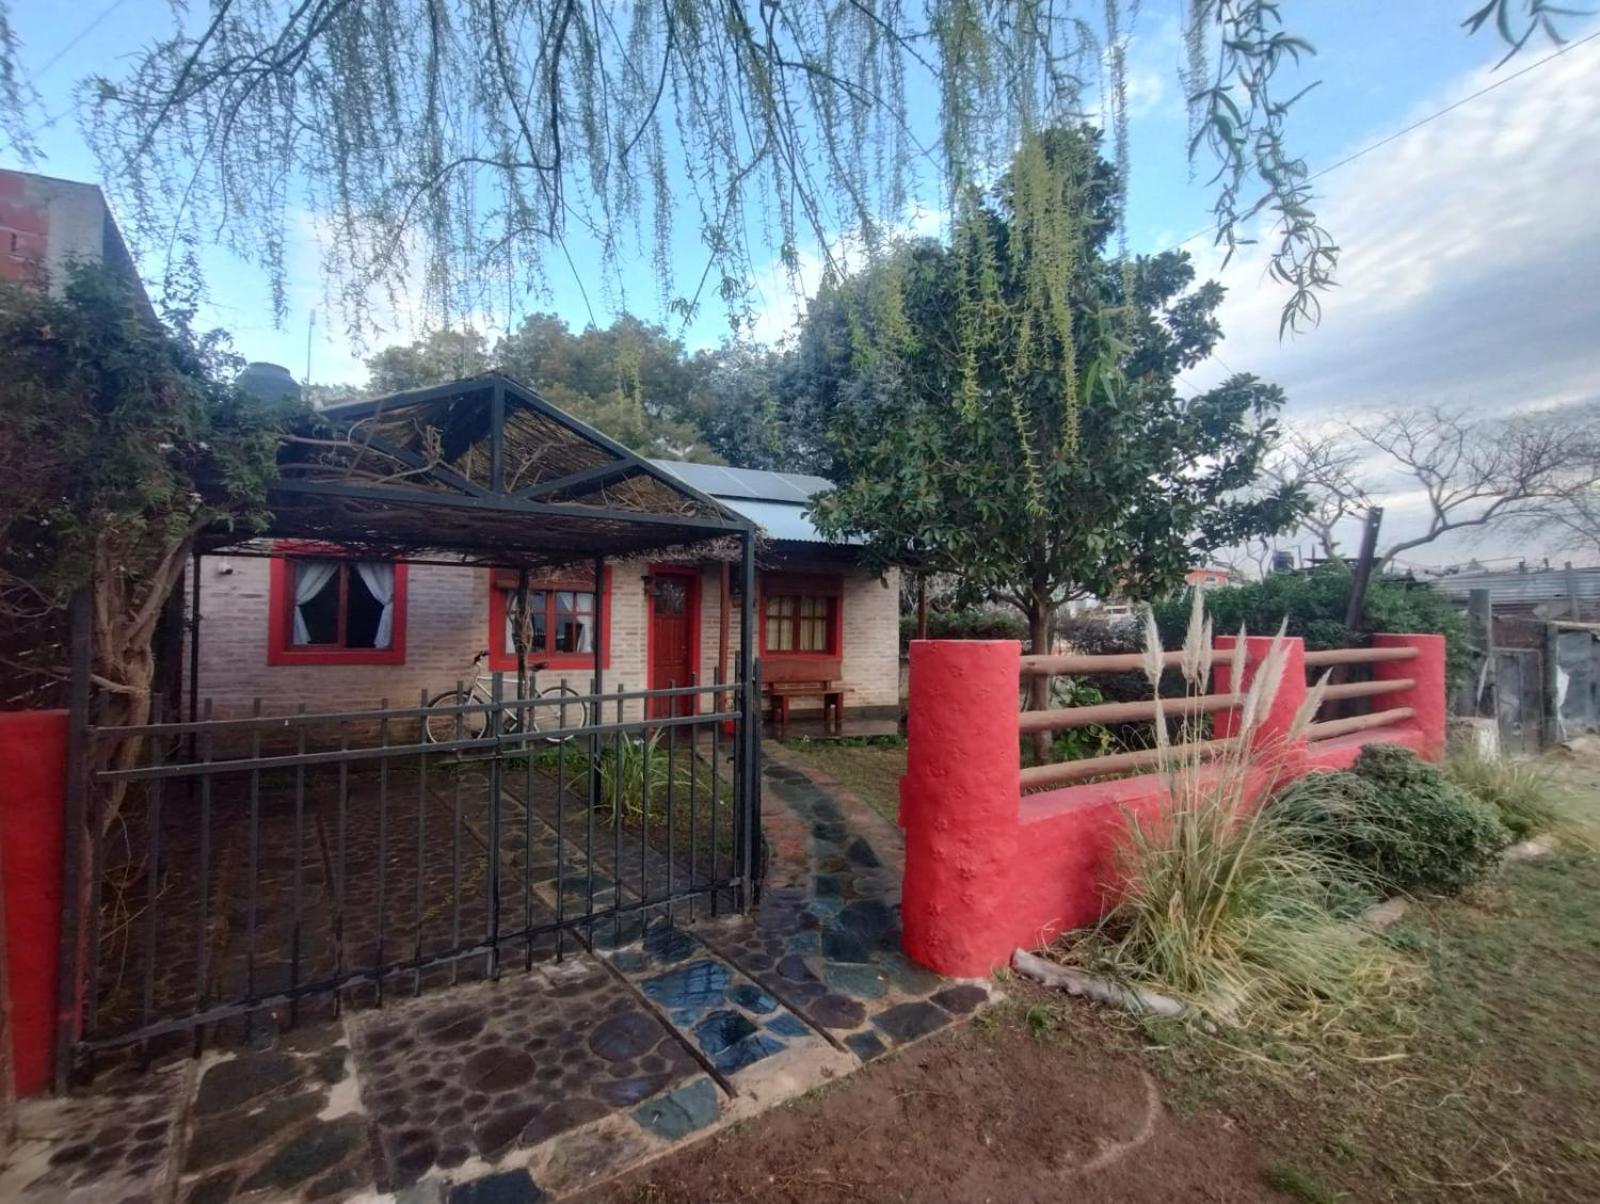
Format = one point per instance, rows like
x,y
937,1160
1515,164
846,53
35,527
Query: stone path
x,y
544,1082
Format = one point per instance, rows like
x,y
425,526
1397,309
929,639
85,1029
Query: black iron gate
x,y
310,861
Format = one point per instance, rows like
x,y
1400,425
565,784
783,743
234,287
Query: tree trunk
x,y
1040,624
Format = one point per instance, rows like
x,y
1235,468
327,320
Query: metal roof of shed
x,y
774,501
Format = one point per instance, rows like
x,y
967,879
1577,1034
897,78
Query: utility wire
x,y
76,38
1419,123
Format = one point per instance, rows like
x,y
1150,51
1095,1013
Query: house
x,y
1207,576
305,622
47,224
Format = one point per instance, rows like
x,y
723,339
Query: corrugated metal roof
x,y
774,500
724,482
1513,586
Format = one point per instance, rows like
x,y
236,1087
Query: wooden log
x,y
1365,689
1077,982
1071,663
1035,776
1328,729
1123,712
1358,656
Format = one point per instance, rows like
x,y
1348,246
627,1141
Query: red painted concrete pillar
x,y
1283,757
1427,697
33,748
959,803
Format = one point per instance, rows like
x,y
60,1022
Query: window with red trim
x,y
332,609
560,625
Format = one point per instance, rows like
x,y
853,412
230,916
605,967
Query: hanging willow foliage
x,y
458,144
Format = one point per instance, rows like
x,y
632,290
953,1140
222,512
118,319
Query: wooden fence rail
x,y
1144,711
1357,656
1124,712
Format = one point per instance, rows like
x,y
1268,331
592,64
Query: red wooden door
x,y
674,618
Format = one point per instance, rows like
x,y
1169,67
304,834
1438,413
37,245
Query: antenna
x,y
311,324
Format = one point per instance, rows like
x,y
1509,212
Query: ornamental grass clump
x,y
1220,903
1528,797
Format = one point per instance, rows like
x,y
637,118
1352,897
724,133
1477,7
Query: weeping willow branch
x,y
442,150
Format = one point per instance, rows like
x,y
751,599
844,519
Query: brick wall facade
x,y
447,624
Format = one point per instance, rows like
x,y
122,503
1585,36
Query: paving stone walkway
x,y
544,1082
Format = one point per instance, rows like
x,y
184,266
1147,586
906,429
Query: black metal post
x,y
497,437
749,750
600,620
496,729
194,639
69,1000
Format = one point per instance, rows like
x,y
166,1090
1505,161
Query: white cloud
x,y
1470,274
1470,260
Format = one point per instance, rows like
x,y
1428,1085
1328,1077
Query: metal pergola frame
x,y
512,525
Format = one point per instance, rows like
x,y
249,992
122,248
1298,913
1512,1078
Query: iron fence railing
x,y
325,859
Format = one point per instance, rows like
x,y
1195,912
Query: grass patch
x,y
869,768
1481,1086
1529,796
1302,1185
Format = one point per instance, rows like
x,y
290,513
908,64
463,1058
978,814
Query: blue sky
x,y
1470,244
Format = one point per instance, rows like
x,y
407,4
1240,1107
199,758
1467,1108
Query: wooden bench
x,y
787,677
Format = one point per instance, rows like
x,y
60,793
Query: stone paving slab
x,y
112,1147
549,1080
282,1123
470,1077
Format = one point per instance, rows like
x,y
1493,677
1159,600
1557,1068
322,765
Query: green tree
x,y
629,380
1034,442
122,443
437,357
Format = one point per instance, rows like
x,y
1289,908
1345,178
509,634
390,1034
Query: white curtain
x,y
378,577
309,578
567,612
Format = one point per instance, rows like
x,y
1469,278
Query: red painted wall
x,y
989,870
33,747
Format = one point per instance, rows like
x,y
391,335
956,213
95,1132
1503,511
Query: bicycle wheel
x,y
443,726
552,720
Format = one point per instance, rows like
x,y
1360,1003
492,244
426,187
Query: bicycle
x,y
472,724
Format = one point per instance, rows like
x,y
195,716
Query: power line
x,y
1418,124
76,38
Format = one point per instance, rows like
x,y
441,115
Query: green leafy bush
x,y
1314,604
966,623
1398,818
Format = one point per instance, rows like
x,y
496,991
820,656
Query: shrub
x,y
1314,603
966,623
1398,818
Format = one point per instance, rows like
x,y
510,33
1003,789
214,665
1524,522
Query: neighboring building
x,y
313,626
47,224
1540,593
1207,577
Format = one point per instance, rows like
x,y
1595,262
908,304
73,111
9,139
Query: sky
x,y
1471,244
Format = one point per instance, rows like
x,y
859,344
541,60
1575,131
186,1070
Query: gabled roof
x,y
775,501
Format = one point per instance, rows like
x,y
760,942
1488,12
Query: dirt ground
x,y
999,1111
1492,1092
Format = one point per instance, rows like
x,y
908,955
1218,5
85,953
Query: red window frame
x,y
504,659
829,587
281,649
